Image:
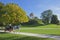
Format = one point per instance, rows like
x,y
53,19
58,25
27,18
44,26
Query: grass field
x,y
42,26
7,36
54,29
48,29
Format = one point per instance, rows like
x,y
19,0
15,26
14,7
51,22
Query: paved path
x,y
36,35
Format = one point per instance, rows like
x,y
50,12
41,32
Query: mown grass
x,y
7,36
42,26
42,31
54,29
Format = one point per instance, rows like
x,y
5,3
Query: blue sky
x,y
37,6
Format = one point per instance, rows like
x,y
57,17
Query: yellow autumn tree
x,y
14,14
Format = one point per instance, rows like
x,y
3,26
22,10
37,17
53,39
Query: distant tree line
x,y
13,14
49,18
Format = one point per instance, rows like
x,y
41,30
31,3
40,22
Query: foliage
x,y
46,16
13,14
33,22
1,13
31,16
54,19
1,6
38,20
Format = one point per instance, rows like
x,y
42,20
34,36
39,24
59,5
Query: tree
x,y
1,5
46,16
31,15
54,19
1,13
36,18
13,14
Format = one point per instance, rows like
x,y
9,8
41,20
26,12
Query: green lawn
x,y
55,29
42,26
7,36
42,31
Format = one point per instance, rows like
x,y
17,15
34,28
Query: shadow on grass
x,y
3,32
35,25
8,36
24,38
33,38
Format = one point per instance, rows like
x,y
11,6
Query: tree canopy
x,y
31,16
46,16
13,14
54,19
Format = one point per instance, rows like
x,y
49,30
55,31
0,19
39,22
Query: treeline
x,y
47,17
13,14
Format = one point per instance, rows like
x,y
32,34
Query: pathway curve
x,y
36,35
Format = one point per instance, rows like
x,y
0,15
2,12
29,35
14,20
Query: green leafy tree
x,y
46,16
13,14
31,15
1,6
1,13
36,18
54,19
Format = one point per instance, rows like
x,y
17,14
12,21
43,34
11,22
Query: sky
x,y
37,6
